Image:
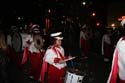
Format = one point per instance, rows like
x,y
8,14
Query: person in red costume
x,y
107,47
84,43
118,63
54,61
117,74
33,52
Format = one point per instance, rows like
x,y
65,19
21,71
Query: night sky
x,y
36,9
12,9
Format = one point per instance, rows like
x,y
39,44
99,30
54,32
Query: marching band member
x,y
107,47
33,52
118,63
54,62
84,45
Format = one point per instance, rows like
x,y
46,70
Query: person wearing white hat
x,y
54,57
33,52
117,74
118,63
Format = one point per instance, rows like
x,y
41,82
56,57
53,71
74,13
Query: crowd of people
x,y
47,53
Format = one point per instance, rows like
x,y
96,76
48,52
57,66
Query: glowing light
x,y
93,14
49,11
84,3
19,18
98,24
62,22
113,25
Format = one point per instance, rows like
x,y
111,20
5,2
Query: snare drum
x,y
73,78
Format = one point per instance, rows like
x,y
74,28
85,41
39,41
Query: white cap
x,y
35,25
122,22
35,28
57,35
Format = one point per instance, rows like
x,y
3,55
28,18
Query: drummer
x,y
33,52
54,57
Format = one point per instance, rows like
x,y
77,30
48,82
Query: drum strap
x,y
58,52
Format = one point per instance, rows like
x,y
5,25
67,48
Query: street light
x,y
93,14
49,11
113,25
19,18
97,23
84,3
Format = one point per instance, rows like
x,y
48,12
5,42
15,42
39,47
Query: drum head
x,y
16,41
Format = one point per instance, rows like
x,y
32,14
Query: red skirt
x,y
56,75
